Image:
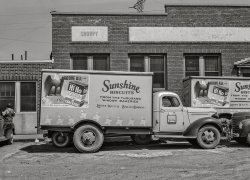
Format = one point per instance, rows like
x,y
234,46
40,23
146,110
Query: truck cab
x,y
172,120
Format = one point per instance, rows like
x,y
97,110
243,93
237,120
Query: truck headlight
x,y
240,125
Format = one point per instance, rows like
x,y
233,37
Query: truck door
x,y
171,115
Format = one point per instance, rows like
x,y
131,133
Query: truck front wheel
x,y
60,139
248,138
141,139
88,138
208,137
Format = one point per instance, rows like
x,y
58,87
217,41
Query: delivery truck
x,y
85,106
230,96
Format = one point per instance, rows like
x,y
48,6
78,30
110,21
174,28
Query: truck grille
x,y
235,122
235,125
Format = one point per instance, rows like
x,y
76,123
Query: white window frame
x,y
18,97
17,104
147,66
202,70
90,62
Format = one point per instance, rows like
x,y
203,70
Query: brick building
x,y
20,82
183,41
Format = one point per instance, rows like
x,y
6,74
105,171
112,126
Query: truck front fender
x,y
245,128
193,129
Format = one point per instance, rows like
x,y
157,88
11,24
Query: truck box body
x,y
226,94
116,99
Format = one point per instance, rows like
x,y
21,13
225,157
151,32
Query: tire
x,y
60,139
241,140
208,137
193,142
142,139
248,139
88,138
10,135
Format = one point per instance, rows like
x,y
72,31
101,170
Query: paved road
x,y
124,160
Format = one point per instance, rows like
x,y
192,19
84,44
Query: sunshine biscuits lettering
x,y
120,87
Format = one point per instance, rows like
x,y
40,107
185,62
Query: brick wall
x,y
176,16
24,71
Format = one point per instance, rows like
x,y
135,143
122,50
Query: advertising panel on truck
x,y
113,99
218,92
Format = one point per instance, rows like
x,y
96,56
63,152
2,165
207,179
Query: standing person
x,y
8,113
1,124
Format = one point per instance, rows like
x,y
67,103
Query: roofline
x,y
97,72
25,62
109,13
216,77
208,5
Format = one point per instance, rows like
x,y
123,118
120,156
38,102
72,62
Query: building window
x,y
202,65
90,62
7,94
192,65
80,62
150,63
28,97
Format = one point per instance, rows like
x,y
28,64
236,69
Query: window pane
x,y
246,74
137,63
7,94
80,62
211,65
28,96
156,63
100,63
157,66
158,80
192,65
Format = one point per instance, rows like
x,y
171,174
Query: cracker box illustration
x,y
218,94
74,93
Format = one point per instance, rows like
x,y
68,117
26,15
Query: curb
x,y
28,138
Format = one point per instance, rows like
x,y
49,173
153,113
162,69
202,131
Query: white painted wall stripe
x,y
189,34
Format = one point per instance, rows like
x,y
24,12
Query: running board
x,y
180,137
174,136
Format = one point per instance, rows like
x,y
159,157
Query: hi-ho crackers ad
x,y
65,90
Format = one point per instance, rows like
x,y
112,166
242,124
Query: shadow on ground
x,y
47,147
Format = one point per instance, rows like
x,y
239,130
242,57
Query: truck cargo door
x,y
171,115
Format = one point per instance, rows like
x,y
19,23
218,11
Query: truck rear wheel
x,y
141,139
60,139
208,137
88,138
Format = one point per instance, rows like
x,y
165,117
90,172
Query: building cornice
x,y
108,13
26,62
209,5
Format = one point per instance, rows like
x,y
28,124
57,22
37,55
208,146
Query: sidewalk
x,y
28,137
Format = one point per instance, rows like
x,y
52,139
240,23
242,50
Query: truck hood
x,y
198,113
